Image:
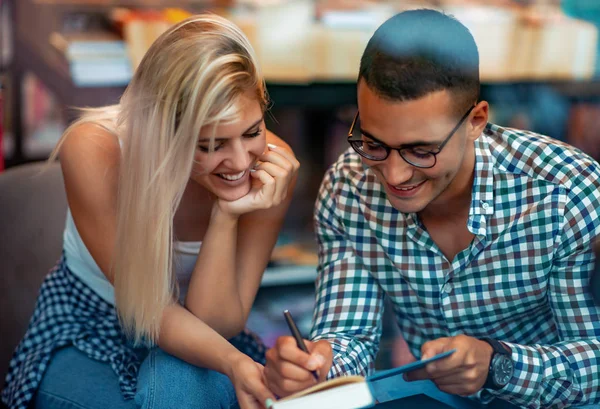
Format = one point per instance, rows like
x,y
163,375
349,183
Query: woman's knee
x,y
165,381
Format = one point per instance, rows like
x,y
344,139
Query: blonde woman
x,y
176,196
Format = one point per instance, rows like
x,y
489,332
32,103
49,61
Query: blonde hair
x,y
192,76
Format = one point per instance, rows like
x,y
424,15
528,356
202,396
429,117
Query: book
x,y
93,59
101,72
355,391
92,45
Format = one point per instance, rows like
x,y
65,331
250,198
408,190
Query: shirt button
x,y
485,205
448,288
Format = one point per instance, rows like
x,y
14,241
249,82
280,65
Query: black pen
x,y
299,342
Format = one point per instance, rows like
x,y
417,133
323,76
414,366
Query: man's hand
x,y
462,373
288,368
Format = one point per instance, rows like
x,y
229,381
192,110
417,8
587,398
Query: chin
x,y
410,204
232,193
406,207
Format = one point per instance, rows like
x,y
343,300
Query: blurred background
x,y
539,71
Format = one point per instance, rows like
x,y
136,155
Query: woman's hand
x,y
271,179
247,378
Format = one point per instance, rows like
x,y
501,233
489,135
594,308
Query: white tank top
x,y
82,264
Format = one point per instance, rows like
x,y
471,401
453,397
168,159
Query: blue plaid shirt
x,y
535,209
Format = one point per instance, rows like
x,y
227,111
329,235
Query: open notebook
x,y
347,392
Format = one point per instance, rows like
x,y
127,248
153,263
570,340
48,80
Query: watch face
x,y
503,370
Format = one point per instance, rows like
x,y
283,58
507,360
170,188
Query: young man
x,y
479,235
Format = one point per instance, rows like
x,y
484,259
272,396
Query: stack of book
x,y
104,50
326,43
94,58
142,27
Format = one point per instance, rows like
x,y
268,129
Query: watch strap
x,y
498,348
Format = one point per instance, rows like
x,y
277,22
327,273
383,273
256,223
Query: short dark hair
x,y
417,52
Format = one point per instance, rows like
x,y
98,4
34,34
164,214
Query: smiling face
x,y
428,121
225,172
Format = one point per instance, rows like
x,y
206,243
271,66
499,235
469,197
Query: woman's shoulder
x,y
90,157
89,142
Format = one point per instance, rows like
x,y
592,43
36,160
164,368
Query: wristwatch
x,y
501,366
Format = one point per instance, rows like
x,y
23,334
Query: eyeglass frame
x,y
389,149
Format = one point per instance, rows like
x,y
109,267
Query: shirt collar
x,y
482,196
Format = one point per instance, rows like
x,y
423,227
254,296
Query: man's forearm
x,y
557,376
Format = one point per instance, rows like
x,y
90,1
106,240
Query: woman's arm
x,y
183,335
236,249
90,162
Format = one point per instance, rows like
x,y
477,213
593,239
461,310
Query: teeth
x,y
406,189
232,177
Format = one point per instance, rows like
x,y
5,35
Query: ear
x,y
478,121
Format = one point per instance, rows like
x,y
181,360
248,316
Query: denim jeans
x,y
74,381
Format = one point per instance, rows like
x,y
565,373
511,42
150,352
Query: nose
x,y
240,157
396,170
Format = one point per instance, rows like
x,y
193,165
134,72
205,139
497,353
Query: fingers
x,y
282,180
459,381
321,355
247,401
450,376
252,392
437,346
448,364
319,352
287,352
436,368
463,384
462,373
267,190
431,372
288,367
417,375
284,387
282,165
263,176
294,372
454,377
286,154
260,392
321,347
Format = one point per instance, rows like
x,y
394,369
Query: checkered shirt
x,y
535,209
69,313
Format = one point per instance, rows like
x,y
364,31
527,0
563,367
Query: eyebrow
x,y
243,133
405,145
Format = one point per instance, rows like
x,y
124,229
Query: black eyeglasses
x,y
420,156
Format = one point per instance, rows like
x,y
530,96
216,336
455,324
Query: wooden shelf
x,y
45,63
36,19
132,3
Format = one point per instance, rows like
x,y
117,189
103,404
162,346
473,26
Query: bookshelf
x,y
132,3
316,98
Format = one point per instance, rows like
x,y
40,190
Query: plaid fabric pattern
x,y
534,212
67,313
